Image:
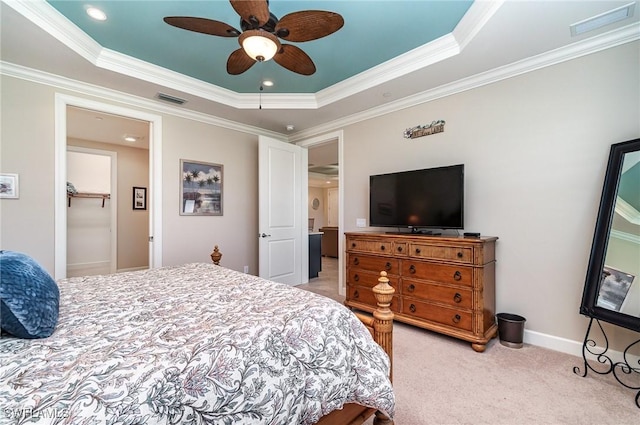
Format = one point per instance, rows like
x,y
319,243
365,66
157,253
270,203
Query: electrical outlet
x,y
246,269
361,222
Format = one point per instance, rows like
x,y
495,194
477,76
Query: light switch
x,y
361,222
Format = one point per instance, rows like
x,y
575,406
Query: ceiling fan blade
x,y
308,25
248,8
202,25
294,59
239,62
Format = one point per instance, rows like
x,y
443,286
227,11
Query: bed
x,y
200,343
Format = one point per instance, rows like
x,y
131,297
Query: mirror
x,y
612,287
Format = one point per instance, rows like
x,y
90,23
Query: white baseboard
x,y
132,269
86,269
572,347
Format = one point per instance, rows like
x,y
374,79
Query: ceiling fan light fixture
x,y
259,45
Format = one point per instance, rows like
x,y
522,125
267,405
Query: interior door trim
x,y
62,101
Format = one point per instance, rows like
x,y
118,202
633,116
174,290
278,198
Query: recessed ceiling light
x,y
267,83
290,127
96,13
131,139
602,19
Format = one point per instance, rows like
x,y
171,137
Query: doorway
x,y
325,165
91,211
153,124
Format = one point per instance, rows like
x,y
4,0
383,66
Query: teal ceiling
x,y
374,32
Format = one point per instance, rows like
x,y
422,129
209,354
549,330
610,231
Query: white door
x,y
283,248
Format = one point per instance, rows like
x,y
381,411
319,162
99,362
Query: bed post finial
x,y
216,256
383,316
383,330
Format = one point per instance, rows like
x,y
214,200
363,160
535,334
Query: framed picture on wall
x,y
139,198
200,188
9,186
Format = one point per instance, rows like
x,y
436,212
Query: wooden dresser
x,y
444,284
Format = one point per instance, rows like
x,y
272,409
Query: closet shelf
x,y
102,196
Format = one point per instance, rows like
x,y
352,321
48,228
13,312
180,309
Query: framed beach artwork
x,y
200,188
9,186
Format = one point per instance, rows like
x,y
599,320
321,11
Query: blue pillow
x,y
29,297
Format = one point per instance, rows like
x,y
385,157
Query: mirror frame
x,y
601,241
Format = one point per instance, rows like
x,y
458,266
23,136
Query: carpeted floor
x,y
441,380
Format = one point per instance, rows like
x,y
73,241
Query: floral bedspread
x,y
191,344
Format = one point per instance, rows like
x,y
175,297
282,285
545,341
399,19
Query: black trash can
x,y
511,329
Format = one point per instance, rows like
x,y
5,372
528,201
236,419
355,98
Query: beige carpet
x,y
441,380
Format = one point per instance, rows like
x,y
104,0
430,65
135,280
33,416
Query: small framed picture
x,y
9,186
200,188
139,198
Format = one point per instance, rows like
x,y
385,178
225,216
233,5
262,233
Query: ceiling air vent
x,y
171,99
603,19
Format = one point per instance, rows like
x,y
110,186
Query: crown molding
x,y
63,83
614,38
476,17
627,211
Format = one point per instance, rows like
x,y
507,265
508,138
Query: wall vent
x,y
171,99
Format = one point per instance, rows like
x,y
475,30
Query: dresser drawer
x,y
458,254
444,315
366,296
369,279
455,297
376,264
459,275
366,245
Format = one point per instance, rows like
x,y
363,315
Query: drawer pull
x,y
456,318
456,298
417,250
412,307
412,269
356,277
399,249
353,244
460,254
387,266
382,248
411,288
457,275
356,261
356,294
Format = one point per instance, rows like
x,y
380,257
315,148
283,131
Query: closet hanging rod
x,y
89,195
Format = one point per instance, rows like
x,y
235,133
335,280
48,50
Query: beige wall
x,y
27,148
133,225
535,149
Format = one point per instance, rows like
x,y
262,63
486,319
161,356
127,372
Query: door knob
x,y
264,235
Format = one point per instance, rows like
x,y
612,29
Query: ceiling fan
x,y
261,31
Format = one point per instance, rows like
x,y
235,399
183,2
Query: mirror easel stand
x,y
621,370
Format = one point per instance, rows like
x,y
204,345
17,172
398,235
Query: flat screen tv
x,y
431,198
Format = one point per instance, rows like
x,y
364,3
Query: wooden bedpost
x,y
383,330
383,316
216,255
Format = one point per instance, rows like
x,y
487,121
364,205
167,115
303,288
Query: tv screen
x,y
429,198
